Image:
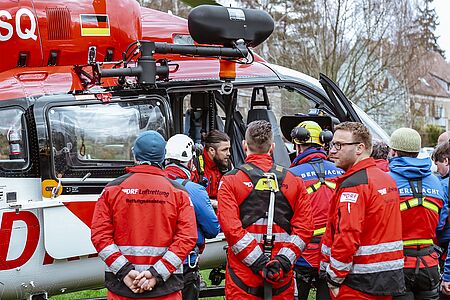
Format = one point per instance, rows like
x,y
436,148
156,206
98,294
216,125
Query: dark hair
x,y
441,152
380,150
360,133
214,138
406,154
259,136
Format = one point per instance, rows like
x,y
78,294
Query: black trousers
x,y
421,285
308,278
191,289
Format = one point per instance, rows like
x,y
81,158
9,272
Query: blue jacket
x,y
403,169
319,200
443,229
207,222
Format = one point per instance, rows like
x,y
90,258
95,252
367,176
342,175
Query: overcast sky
x,y
443,10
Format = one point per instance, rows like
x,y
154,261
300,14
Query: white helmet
x,y
180,147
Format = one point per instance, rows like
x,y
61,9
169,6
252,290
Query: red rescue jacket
x,y
212,173
246,244
363,242
143,220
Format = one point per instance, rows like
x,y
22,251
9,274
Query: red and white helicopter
x,y
79,80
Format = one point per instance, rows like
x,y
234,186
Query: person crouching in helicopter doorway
x,y
265,214
143,227
319,175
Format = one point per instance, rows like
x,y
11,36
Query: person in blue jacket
x,y
421,201
441,158
319,174
179,163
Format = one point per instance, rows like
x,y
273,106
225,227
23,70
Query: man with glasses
x,y
362,245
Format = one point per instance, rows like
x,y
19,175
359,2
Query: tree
x,y
426,23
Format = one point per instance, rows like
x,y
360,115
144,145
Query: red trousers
x,y
347,293
232,291
173,296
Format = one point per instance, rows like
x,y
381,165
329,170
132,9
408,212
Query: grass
x,y
102,292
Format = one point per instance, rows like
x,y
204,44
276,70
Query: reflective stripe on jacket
x,y
320,198
246,243
363,245
143,220
420,214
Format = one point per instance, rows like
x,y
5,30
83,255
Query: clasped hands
x,y
276,270
139,282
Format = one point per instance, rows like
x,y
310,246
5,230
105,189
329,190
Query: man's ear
x,y
272,148
244,146
446,161
360,148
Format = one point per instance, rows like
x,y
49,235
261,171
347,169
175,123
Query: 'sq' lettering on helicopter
x,y
79,80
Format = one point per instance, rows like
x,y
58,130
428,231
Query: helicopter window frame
x,y
101,169
19,164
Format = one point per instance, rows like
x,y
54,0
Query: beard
x,y
223,165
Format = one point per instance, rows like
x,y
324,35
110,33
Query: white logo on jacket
x,y
249,184
349,197
382,191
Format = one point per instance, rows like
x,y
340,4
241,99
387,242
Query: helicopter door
x,y
344,108
91,145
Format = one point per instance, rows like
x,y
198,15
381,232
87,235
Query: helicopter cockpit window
x,y
92,140
13,145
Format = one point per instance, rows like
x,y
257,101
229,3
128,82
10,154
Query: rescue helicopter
x,y
81,79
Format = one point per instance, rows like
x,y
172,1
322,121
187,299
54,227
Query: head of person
x,y
180,151
217,147
258,138
441,156
309,134
444,137
352,142
380,150
405,142
149,148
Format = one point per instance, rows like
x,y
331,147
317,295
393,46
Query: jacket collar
x,y
209,163
308,155
145,168
361,165
174,171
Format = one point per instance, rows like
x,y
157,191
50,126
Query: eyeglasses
x,y
338,146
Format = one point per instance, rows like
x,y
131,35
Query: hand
x,y
335,291
214,203
445,287
273,271
129,281
145,281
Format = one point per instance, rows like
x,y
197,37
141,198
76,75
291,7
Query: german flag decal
x,y
94,25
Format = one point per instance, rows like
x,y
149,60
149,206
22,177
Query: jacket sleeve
x,y
443,216
102,230
446,276
206,217
302,224
350,213
184,238
241,242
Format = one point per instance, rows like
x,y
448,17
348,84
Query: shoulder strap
x,y
319,168
416,190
